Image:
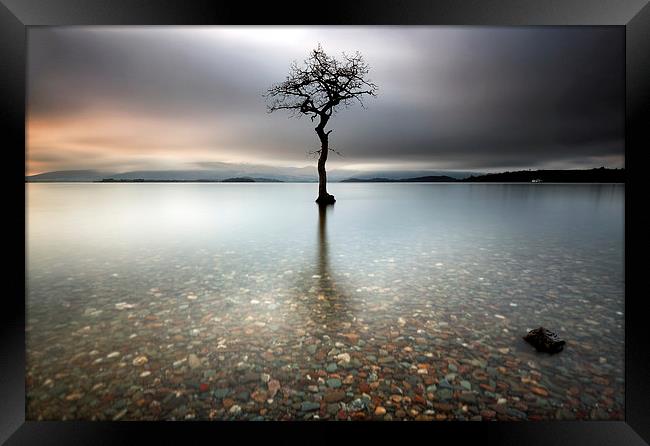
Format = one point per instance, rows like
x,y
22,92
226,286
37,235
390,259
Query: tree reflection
x,y
321,297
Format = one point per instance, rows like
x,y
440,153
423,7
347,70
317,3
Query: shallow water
x,y
247,301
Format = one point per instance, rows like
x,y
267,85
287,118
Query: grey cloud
x,y
462,97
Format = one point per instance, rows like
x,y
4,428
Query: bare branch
x,y
320,86
313,154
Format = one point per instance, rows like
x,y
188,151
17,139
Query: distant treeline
x,y
428,179
599,175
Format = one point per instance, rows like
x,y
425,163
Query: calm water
x,y
245,301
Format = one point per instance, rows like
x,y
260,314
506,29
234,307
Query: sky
x,y
450,98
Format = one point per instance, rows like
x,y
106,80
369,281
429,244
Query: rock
x,y
467,397
489,414
308,406
203,387
332,367
352,337
193,361
228,403
358,405
235,410
379,410
74,396
265,377
539,391
334,382
544,340
343,358
334,396
140,360
274,386
259,396
249,377
221,393
332,409
119,415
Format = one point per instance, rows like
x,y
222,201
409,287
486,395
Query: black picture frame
x,y
17,15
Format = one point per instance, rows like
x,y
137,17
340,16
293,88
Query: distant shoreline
x,y
592,176
455,183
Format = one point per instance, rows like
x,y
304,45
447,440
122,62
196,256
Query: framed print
x,y
380,220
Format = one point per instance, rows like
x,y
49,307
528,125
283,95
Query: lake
x,y
186,301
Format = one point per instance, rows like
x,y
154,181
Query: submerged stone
x,y
544,340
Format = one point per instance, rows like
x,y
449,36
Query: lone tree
x,y
319,89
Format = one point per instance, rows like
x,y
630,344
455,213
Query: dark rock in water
x,y
544,340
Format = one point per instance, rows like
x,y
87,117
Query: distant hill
x,y
426,179
265,174
211,172
599,175
387,175
251,180
218,171
68,175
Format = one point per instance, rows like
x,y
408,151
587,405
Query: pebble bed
x,y
340,324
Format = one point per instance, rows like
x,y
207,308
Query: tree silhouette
x,y
319,89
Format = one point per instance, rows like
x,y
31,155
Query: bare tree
x,y
318,89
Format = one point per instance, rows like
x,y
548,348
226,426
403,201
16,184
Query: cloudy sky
x,y
450,98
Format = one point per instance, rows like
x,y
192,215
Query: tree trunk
x,y
323,197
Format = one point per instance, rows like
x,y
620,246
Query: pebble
x,y
221,393
358,336
140,360
193,361
308,406
274,387
334,396
343,358
334,382
119,415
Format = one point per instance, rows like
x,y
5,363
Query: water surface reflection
x,y
226,301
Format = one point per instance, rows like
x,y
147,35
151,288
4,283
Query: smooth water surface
x,y
248,301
